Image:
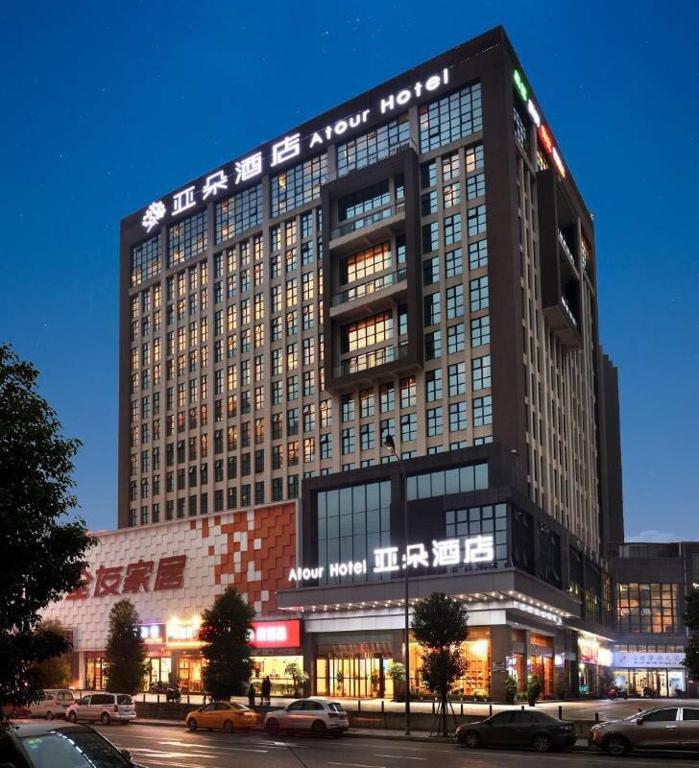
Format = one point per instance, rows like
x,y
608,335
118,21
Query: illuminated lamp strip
x,y
543,133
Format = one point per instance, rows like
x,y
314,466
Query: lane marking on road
x,y
357,765
399,757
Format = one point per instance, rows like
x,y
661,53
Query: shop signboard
x,y
642,660
276,634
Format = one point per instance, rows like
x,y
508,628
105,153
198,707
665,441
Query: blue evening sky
x,y
106,106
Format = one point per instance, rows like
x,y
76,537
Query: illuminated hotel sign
x,y
542,131
280,152
477,549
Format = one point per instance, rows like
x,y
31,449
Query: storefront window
x,y
360,676
274,667
95,677
160,670
476,653
189,674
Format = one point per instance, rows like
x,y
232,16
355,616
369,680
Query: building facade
x,y
652,582
418,262
172,573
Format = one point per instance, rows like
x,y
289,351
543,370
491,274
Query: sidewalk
x,y
356,733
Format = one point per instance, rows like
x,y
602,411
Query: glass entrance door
x,y
354,677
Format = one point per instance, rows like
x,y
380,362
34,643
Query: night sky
x,y
106,106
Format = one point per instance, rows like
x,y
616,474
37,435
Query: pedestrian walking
x,y
251,695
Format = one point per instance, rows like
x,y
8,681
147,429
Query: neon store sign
x,y
542,130
477,549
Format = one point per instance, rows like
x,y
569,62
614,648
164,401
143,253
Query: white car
x,y
53,704
105,707
320,717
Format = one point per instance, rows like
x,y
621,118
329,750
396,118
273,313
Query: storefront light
x,y
604,657
183,632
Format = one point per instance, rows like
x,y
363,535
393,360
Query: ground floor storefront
x,y
343,661
174,657
650,673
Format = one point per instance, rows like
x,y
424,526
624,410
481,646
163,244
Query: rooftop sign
x,y
278,154
543,133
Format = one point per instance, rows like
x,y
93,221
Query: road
x,y
159,747
572,710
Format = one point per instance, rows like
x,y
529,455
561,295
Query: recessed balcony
x,y
369,229
365,361
370,294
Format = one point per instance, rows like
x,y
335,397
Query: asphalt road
x,y
175,747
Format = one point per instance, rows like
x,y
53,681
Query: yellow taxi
x,y
226,715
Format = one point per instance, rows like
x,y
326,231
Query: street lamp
x,y
390,445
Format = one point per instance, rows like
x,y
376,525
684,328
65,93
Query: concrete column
x,y
500,648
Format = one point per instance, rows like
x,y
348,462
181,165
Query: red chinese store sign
x,y
276,634
143,576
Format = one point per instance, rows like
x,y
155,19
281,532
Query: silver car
x,y
659,728
316,716
105,707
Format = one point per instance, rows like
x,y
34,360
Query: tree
x,y
440,626
54,672
691,619
225,630
397,673
125,654
298,677
43,546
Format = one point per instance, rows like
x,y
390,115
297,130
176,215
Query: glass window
x,y
187,239
478,254
478,290
433,385
454,263
480,372
239,213
457,416
482,411
145,261
298,185
450,118
373,146
480,331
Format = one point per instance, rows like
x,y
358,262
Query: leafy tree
x,y
397,673
440,626
691,619
510,689
298,676
125,654
225,630
43,549
56,671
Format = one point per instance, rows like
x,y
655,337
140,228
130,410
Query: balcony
x,y
566,249
368,229
371,294
370,360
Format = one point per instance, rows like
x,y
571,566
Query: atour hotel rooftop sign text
x,y
281,152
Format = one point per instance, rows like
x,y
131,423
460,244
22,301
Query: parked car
x,y
64,696
658,728
517,728
47,745
222,714
105,707
317,716
48,707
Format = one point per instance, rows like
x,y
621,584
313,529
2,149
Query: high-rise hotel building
x,y
418,262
